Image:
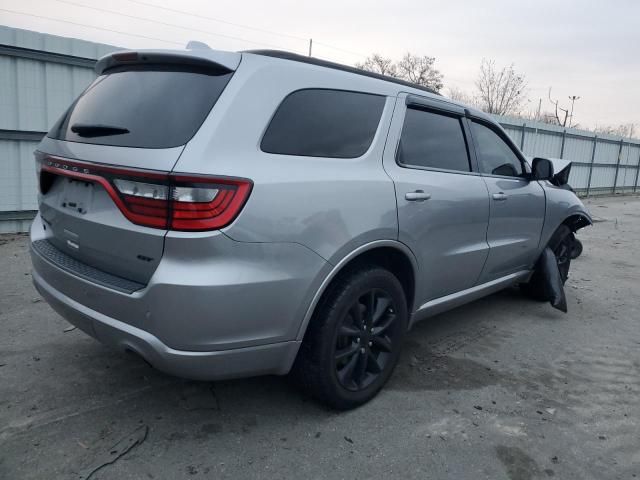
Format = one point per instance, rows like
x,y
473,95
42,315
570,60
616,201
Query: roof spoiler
x,y
199,57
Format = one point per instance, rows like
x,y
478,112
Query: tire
x,y
561,243
343,362
576,251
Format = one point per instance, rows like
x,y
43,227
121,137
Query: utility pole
x,y
310,45
573,98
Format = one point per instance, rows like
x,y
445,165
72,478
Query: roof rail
x,y
336,66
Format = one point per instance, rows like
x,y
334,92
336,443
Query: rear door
x,y
443,205
103,165
517,203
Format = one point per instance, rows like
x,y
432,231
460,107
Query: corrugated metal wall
x,y
602,164
40,75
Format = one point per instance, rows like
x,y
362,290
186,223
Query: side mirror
x,y
541,169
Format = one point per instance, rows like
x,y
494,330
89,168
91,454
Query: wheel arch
x,y
574,219
391,254
577,221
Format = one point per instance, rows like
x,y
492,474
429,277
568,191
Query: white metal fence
x,y
40,75
602,164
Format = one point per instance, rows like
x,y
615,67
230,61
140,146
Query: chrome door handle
x,y
417,196
499,197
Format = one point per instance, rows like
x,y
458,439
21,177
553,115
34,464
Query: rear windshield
x,y
150,107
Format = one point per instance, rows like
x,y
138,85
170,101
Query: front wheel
x,y
576,250
353,341
561,243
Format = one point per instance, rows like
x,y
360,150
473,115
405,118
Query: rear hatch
x,y
106,193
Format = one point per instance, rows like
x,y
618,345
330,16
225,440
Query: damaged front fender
x,y
563,207
577,221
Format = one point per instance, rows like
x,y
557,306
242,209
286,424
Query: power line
x,y
93,27
173,25
89,26
362,55
167,24
183,12
248,27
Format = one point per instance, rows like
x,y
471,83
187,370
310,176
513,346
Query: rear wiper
x,y
95,130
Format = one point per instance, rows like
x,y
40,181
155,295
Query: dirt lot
x,y
504,388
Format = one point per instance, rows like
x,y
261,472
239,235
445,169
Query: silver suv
x,y
230,214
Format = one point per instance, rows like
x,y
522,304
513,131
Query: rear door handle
x,y
499,197
417,196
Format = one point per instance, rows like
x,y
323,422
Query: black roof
x,y
337,66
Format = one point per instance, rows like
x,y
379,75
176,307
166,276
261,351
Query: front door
x,y
517,204
443,205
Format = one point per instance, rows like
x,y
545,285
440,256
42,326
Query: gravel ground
x,y
503,388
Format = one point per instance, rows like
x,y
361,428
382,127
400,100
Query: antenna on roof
x,y
195,45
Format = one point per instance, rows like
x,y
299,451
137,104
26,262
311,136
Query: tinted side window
x,y
432,140
494,155
324,123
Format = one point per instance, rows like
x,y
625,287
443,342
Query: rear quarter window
x,y
147,107
324,123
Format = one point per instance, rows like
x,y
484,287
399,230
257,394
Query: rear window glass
x,y
324,123
142,107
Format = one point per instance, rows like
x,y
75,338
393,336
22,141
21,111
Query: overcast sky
x,y
585,48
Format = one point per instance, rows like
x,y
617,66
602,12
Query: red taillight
x,y
146,202
200,203
167,201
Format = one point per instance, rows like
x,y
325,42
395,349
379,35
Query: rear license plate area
x,y
77,196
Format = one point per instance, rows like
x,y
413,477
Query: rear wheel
x,y
561,243
353,342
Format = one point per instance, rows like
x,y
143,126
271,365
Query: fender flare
x,y
338,267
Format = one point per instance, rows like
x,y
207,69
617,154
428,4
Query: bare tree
x,y
565,111
459,95
536,115
550,117
378,64
412,68
420,70
501,91
623,130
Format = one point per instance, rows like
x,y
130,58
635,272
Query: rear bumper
x,y
274,358
214,308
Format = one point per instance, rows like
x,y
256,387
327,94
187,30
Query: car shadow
x,y
91,394
430,347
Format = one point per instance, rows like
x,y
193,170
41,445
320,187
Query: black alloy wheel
x,y
354,338
365,340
